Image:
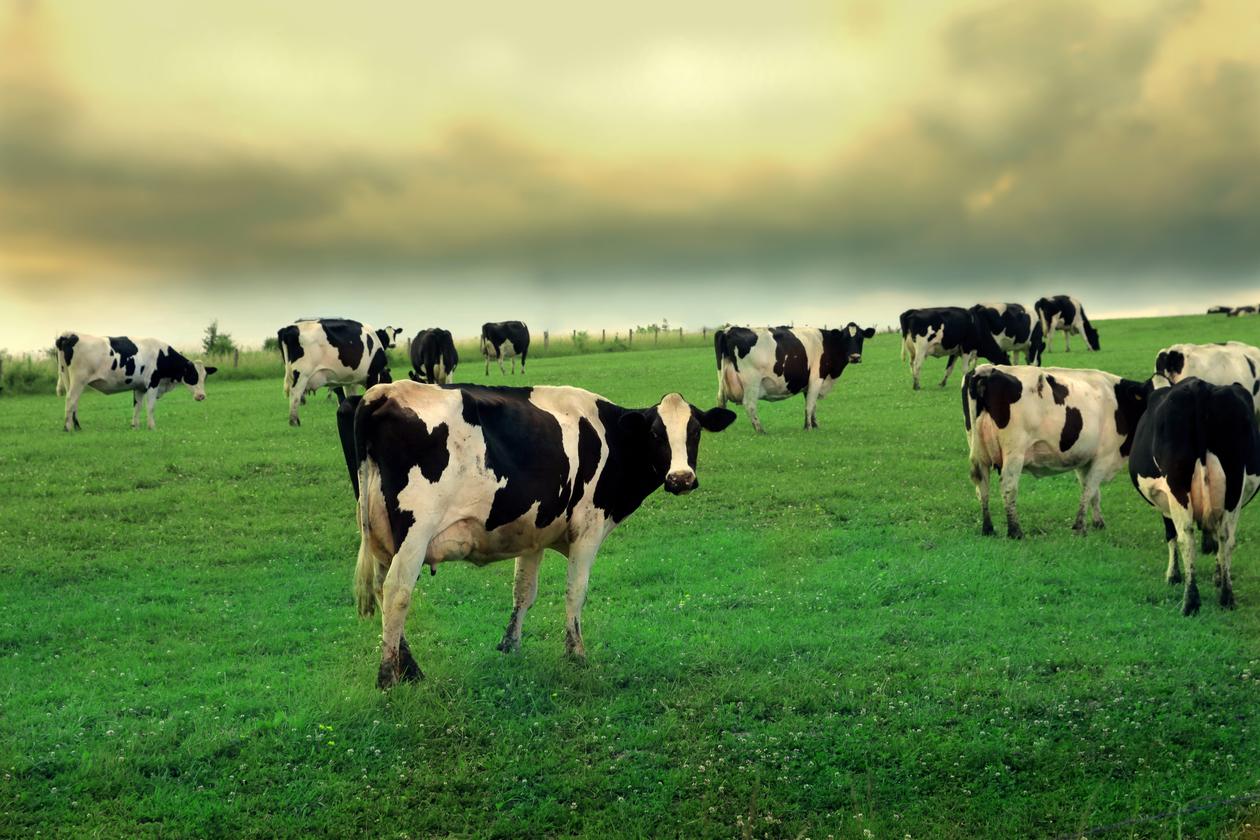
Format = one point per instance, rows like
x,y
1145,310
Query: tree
x,y
217,343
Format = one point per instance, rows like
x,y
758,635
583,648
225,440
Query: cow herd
x,y
468,472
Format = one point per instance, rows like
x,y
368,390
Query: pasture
x,y
816,642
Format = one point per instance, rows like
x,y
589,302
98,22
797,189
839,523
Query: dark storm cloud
x,y
1046,152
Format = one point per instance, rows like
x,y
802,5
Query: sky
x,y
594,166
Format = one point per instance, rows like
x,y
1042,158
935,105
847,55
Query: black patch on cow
x,y
290,341
966,393
1072,425
113,363
1251,365
790,361
296,376
65,346
378,369
525,446
1132,402
173,367
838,346
994,392
397,439
430,349
346,337
589,451
1169,363
736,343
126,350
1057,391
630,474
369,342
345,432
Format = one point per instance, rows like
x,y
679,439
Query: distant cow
x,y
1013,328
1067,315
774,363
146,367
504,340
468,472
1220,364
1242,310
433,356
1046,421
947,331
332,351
1196,458
1220,310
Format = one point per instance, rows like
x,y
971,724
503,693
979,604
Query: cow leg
x,y
1067,339
296,397
524,591
1097,516
150,402
980,478
1173,574
1011,468
750,406
916,361
502,370
949,368
811,407
487,364
135,409
1224,557
581,557
1185,542
72,405
514,366
397,662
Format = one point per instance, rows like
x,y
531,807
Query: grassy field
x,y
817,642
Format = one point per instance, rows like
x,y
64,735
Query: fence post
x,y
603,336
704,333
546,339
680,338
573,336
236,357
630,337
656,334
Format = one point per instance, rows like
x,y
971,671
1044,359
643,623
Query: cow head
x,y
1091,334
389,337
1036,344
670,432
195,374
986,344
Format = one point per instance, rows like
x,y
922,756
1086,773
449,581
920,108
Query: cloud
x,y
1057,139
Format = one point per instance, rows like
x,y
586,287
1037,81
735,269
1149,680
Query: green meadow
x,y
817,642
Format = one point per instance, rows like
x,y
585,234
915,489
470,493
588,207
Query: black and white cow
x,y
433,356
504,340
947,331
336,352
1196,458
1047,421
1229,363
1013,329
774,363
146,367
1065,314
1241,310
1220,310
468,472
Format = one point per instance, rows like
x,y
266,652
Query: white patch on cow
x,y
675,413
1220,364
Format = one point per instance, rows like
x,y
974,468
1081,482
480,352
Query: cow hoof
x,y
509,645
1173,579
1079,530
293,421
577,657
387,676
1227,598
1190,605
1014,533
986,530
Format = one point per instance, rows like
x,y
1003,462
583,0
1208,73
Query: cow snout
x,y
199,397
855,358
680,483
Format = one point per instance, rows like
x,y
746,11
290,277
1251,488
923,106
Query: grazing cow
x,y
947,331
1220,310
469,472
146,367
332,351
1067,315
774,363
1014,330
1241,310
504,340
433,356
1046,421
1220,364
1196,458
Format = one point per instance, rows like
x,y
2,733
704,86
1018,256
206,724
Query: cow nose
x,y
199,397
680,483
855,358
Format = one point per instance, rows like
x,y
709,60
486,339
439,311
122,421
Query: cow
x,y
1067,315
478,473
504,340
1012,328
433,356
774,363
1046,421
1196,459
947,331
1220,310
1220,364
336,352
1241,310
147,367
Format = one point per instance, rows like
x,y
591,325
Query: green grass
x,y
817,642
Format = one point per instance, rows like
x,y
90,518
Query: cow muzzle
x,y
855,358
681,483
199,397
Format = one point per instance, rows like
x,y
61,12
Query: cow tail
x,y
63,376
353,424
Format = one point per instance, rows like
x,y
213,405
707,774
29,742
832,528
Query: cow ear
x,y
869,332
715,419
633,423
211,370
